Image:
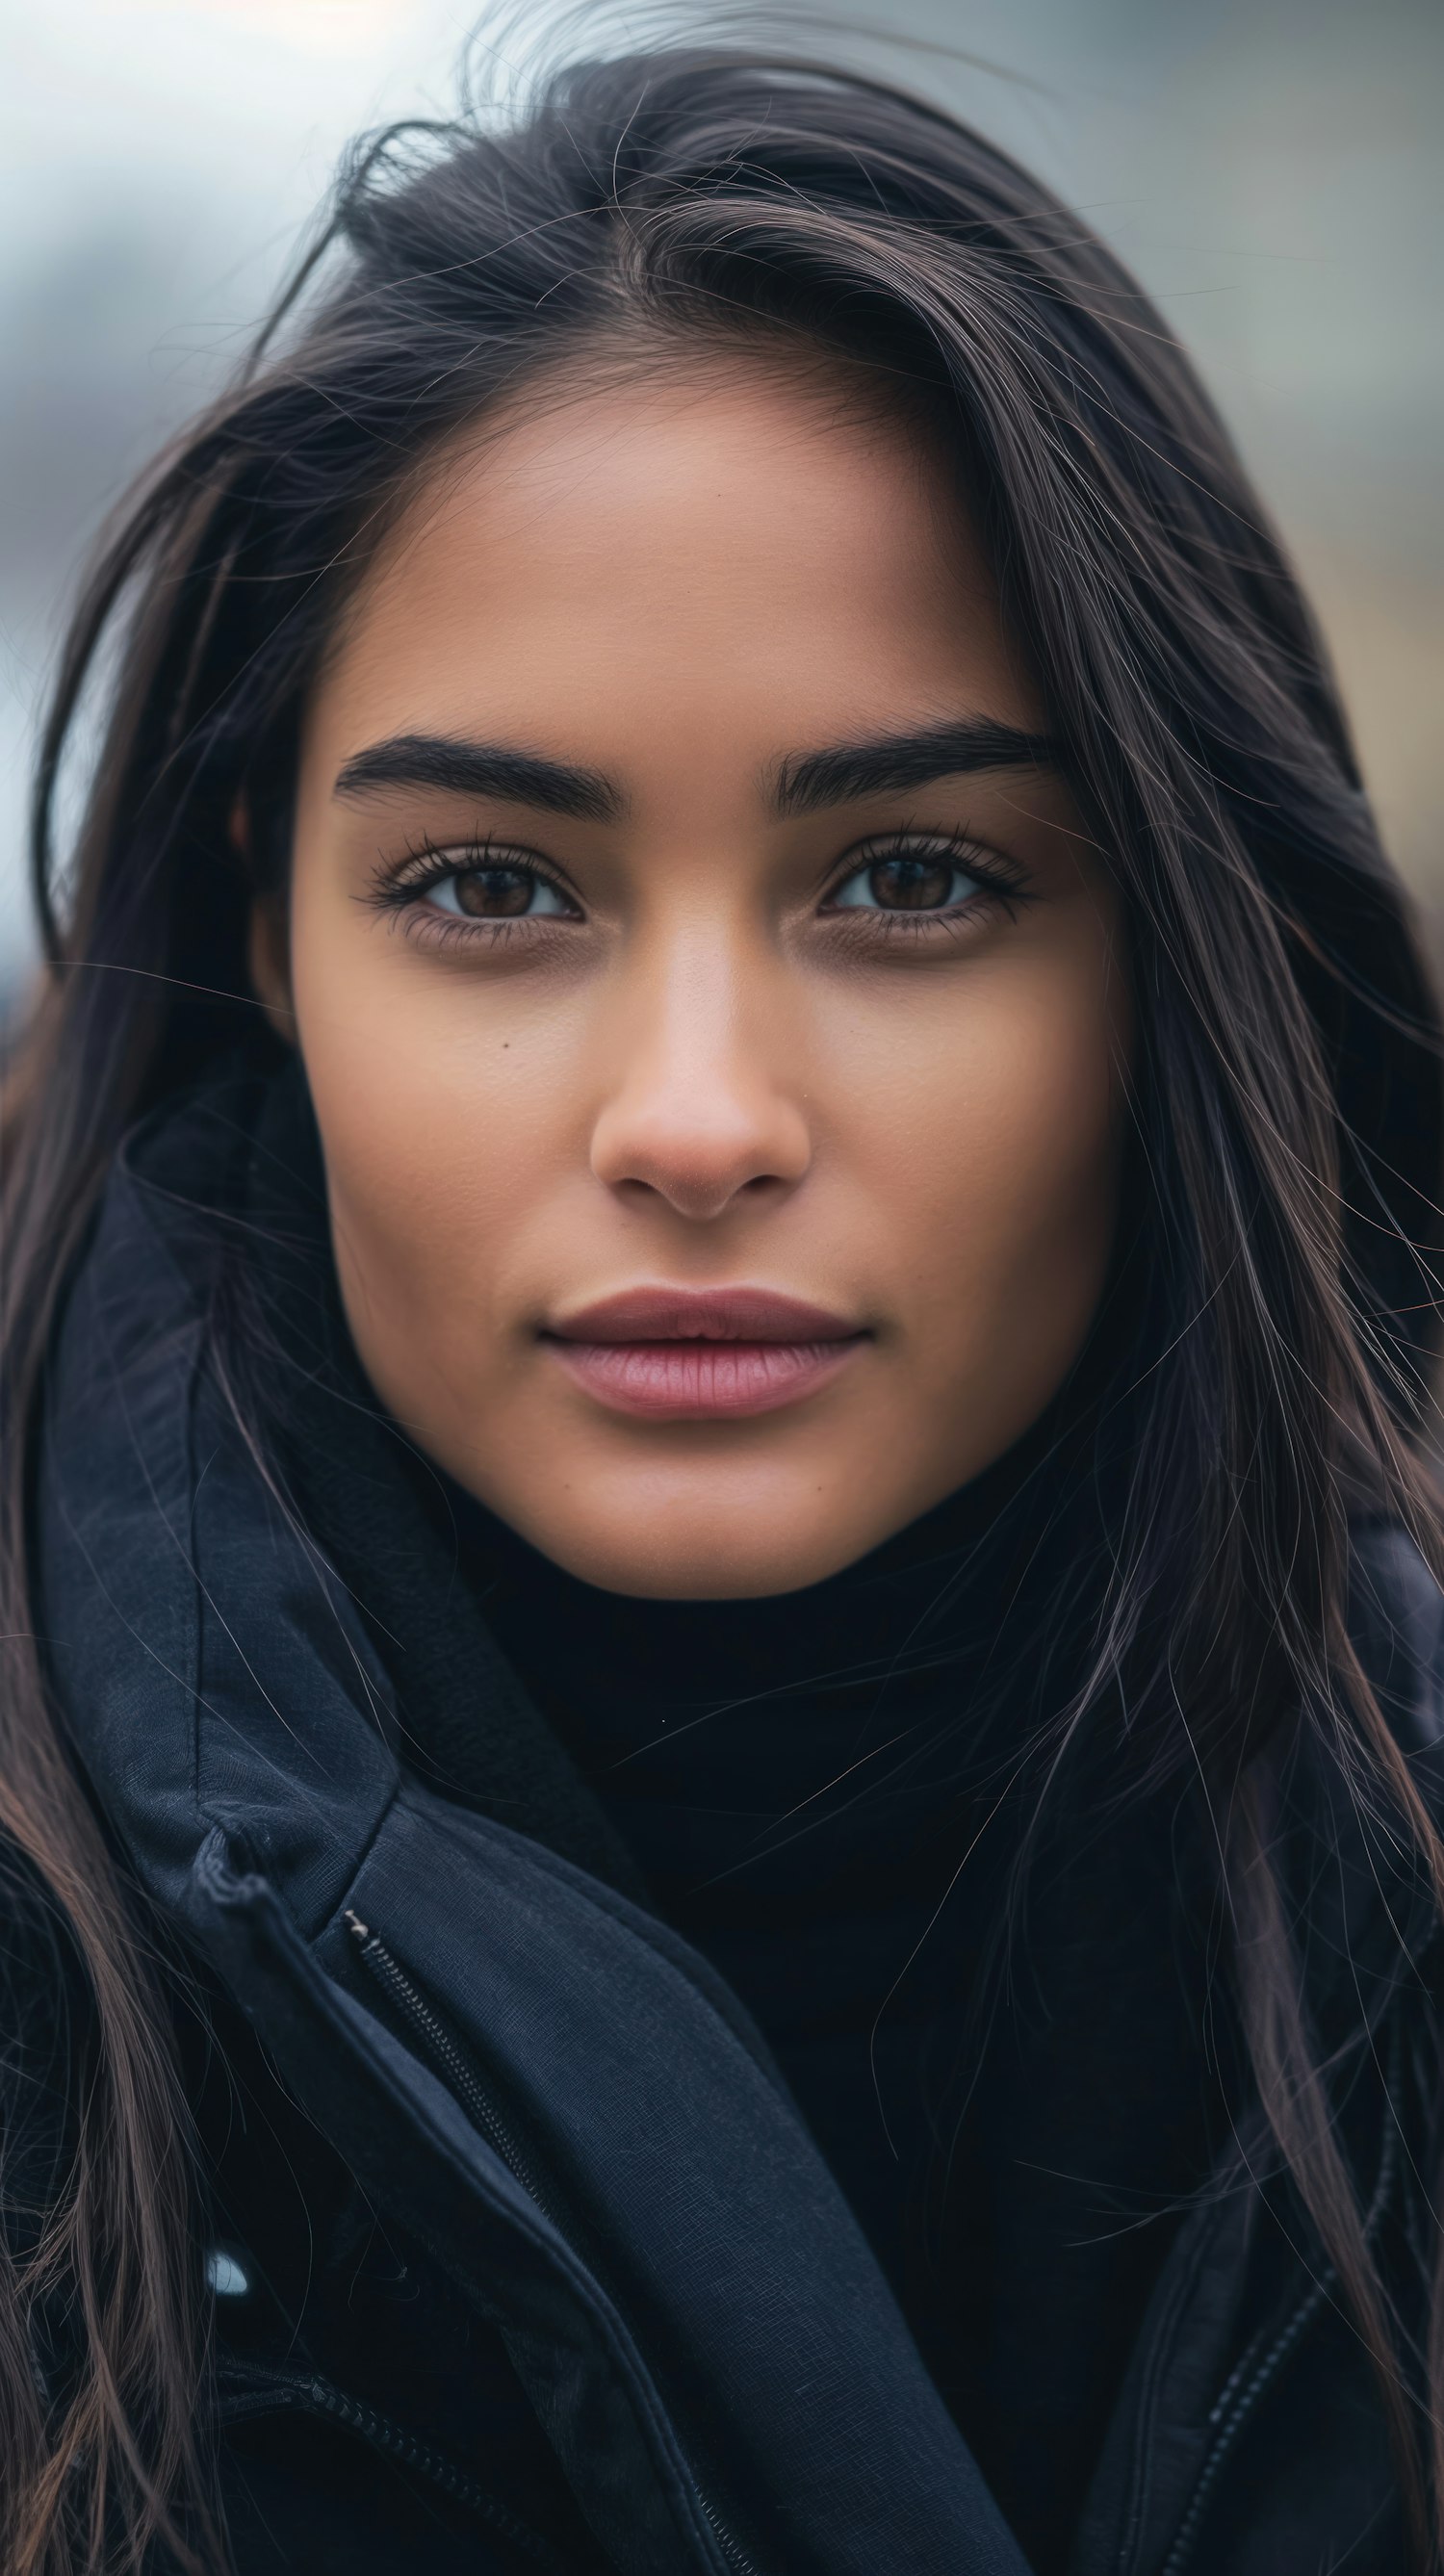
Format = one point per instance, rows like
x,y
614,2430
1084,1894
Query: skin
x,y
697,1069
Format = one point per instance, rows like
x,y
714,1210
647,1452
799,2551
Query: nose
x,y
701,1115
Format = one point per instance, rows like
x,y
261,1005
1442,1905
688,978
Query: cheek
x,y
443,1124
995,1152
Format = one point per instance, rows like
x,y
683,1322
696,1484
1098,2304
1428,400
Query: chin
x,y
704,1553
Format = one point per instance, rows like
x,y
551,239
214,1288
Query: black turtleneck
x,y
825,1793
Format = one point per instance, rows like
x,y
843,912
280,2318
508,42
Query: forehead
x,y
726,535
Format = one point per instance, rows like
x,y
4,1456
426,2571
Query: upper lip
x,y
703,1315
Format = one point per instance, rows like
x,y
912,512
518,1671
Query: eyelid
x,y
990,868
428,863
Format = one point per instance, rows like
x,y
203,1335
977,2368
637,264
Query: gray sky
x,y
1270,167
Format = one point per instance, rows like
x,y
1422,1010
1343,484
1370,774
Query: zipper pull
x,y
360,1932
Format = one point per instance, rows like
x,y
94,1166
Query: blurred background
x,y
1271,168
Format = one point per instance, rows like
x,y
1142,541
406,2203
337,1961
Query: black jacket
x,y
521,2256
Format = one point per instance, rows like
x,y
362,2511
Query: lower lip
x,y
704,1381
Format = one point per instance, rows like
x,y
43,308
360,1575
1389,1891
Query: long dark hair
x,y
1286,1101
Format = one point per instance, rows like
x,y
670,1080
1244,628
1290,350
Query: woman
x,y
722,1840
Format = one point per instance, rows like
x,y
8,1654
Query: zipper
x,y
445,2056
1250,2380
731,2549
457,2072
318,2396
1253,2390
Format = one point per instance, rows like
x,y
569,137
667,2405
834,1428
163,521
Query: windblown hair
x,y
1286,1097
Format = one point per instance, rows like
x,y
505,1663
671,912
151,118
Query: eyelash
x,y
426,864
997,879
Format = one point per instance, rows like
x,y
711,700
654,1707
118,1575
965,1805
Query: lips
x,y
698,1355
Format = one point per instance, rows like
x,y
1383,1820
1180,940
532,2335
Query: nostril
x,y
702,1164
701,1194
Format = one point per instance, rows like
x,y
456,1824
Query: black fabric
x,y
825,1796
415,2310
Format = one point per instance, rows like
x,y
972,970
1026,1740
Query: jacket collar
x,y
692,2306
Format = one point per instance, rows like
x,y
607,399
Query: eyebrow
x,y
460,768
803,783
882,763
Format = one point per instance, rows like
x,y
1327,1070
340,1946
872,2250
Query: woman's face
x,y
713,1009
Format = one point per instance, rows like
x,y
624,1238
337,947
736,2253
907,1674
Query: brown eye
x,y
919,881
496,894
